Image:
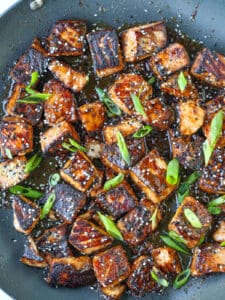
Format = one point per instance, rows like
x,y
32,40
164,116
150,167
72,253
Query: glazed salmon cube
x,y
96,186
113,292
92,116
72,79
219,234
105,51
142,41
167,260
67,38
16,135
183,228
61,105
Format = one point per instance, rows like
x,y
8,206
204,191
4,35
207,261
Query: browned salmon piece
x,y
105,51
208,258
72,79
113,292
16,136
143,248
31,256
209,66
182,226
70,272
191,117
167,260
111,156
120,91
136,225
117,200
219,234
171,87
54,242
61,105
51,140
34,59
213,175
12,172
141,41
79,171
96,186
149,175
111,266
169,60
94,147
92,115
187,150
88,238
26,214
67,38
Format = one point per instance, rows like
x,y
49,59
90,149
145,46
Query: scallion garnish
x,y
222,244
213,210
176,237
192,218
181,279
47,206
113,182
112,108
110,226
25,191
151,80
73,146
33,163
202,239
33,80
123,147
54,179
213,205
153,219
137,105
143,131
184,189
172,172
161,281
8,153
172,244
182,81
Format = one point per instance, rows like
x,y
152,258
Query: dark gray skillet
x,y
202,20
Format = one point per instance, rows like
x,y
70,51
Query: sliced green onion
x,y
182,279
25,191
192,218
161,281
8,153
34,79
123,147
143,131
151,80
218,201
34,98
73,146
184,189
54,179
112,108
172,172
222,244
207,151
137,105
110,226
33,163
176,237
214,210
113,182
202,239
182,81
153,219
169,242
47,206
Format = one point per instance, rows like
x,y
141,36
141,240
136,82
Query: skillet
x,y
201,20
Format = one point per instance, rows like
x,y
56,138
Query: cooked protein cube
x,y
67,38
117,200
96,186
26,214
92,116
169,60
120,91
72,79
172,88
212,179
111,156
16,136
93,146
51,140
88,238
183,227
167,260
209,66
12,172
79,171
34,59
113,292
191,117
136,225
70,272
105,51
31,256
208,258
149,175
142,41
61,105
219,234
111,266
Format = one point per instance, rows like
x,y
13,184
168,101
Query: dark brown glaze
x,y
167,260
97,184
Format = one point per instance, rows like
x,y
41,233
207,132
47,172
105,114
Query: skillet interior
x,y
17,28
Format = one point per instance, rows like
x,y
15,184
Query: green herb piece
x,y
47,206
8,153
181,279
123,147
143,131
73,146
172,172
169,242
222,244
34,79
182,81
112,108
153,219
202,239
33,163
192,218
25,191
216,202
161,281
214,210
113,182
110,226
176,237
151,80
137,105
34,98
184,189
54,179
